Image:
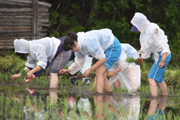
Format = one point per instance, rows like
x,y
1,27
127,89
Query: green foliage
x,y
80,15
131,59
10,62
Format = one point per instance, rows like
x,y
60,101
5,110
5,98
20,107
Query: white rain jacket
x,y
41,50
152,38
93,43
129,76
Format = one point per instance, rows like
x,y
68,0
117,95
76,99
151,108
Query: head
x,y
70,42
21,47
22,55
140,22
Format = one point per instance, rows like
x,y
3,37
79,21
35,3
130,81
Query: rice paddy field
x,y
35,101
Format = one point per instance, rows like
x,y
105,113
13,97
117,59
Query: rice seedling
x,y
23,72
131,59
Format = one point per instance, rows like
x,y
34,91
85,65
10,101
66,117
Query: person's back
x,y
103,36
129,50
47,46
95,42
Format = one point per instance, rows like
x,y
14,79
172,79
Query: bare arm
x,y
29,74
162,62
110,74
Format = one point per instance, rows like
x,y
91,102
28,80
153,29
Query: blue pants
x,y
112,53
157,73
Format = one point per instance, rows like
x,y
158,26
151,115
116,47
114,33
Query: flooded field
x,y
35,101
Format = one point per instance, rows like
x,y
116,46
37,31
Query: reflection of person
x,y
43,50
131,107
126,75
114,107
153,40
155,111
36,111
102,45
84,107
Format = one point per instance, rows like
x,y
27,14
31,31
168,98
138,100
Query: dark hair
x,y
21,55
69,41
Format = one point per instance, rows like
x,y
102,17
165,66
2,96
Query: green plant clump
x,y
23,72
130,59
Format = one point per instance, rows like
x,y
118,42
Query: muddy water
x,y
77,103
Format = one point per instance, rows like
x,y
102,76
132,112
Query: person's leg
x,y
153,87
163,88
53,80
107,85
156,75
162,84
56,65
117,84
100,81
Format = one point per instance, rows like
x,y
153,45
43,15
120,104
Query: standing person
x,y
123,74
102,45
42,51
153,40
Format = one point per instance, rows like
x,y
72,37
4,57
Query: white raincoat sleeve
x,y
95,48
79,62
39,52
161,40
122,61
144,55
30,62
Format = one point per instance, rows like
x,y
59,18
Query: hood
x,y
80,39
140,21
21,46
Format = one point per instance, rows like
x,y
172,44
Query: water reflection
x,y
156,109
36,105
115,107
86,106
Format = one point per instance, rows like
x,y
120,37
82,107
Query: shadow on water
x,y
77,103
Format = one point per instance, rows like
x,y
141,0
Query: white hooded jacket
x,y
41,50
152,38
129,76
94,43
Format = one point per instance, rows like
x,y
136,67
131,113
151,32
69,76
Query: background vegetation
x,y
84,15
